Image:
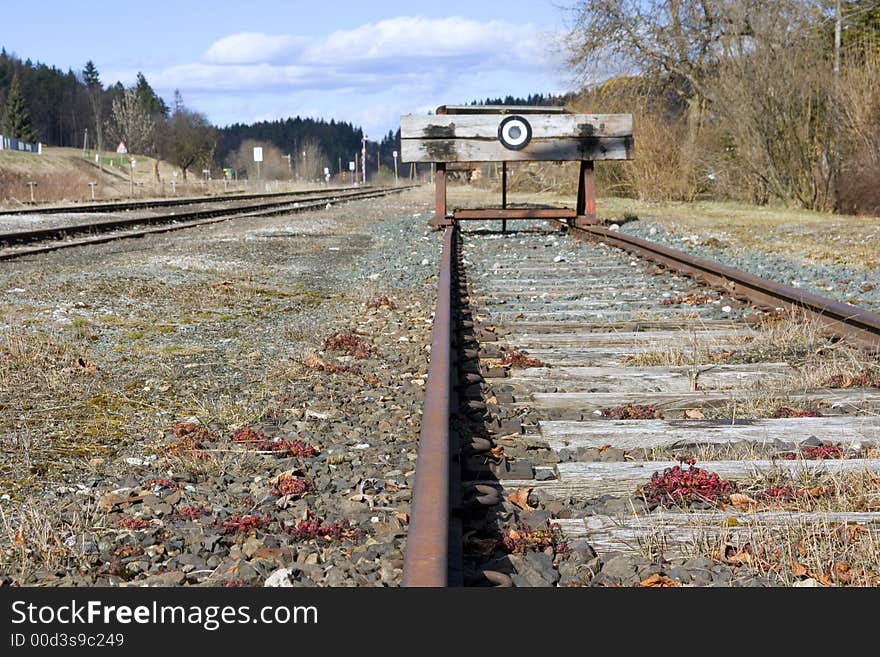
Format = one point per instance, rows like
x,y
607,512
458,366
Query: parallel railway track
x,y
17,243
544,350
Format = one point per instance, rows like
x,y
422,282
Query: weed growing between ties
x,y
349,344
677,486
632,412
516,359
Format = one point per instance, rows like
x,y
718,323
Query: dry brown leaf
x,y
18,538
110,500
520,497
826,580
656,580
402,517
741,501
815,491
497,452
605,448
694,414
855,533
738,558
314,360
797,569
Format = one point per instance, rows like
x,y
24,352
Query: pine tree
x,y
95,89
149,100
17,122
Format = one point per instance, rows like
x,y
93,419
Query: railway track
x,y
126,206
14,244
615,421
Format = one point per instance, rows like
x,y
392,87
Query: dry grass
x,y
833,553
35,537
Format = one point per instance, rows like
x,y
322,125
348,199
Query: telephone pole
x,y
364,158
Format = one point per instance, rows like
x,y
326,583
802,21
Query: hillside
x,y
63,175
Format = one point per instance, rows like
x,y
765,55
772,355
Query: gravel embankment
x,y
856,286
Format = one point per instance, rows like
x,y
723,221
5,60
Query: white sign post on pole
x,y
258,157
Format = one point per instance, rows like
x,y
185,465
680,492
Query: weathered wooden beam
x,y
544,150
515,213
590,480
651,434
678,532
485,126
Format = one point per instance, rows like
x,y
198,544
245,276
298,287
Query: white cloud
x,y
251,48
368,75
413,38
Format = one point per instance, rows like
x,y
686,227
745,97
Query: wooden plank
x,y
677,531
544,126
502,315
501,109
617,327
586,401
641,339
650,434
515,213
538,150
590,480
658,379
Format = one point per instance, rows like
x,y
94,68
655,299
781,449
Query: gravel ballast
x,y
235,405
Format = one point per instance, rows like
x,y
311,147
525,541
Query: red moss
x,y
348,344
134,524
191,512
307,530
778,494
239,524
524,540
292,486
190,437
516,359
233,582
869,377
677,485
632,412
258,440
792,411
382,302
822,452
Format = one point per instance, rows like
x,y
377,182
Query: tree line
x,y
76,109
742,99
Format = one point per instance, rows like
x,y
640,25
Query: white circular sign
x,y
514,132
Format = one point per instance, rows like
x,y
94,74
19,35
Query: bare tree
x,y
312,160
131,122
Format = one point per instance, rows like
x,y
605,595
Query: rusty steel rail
x,y
856,325
119,206
166,223
426,561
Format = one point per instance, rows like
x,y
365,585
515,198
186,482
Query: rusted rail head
x,y
857,325
426,561
502,134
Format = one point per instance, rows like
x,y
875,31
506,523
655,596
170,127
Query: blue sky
x,y
364,62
